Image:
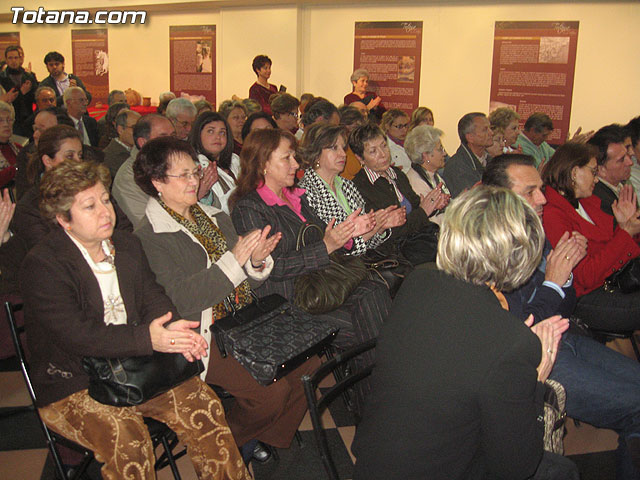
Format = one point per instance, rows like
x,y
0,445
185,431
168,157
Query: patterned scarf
x,y
213,241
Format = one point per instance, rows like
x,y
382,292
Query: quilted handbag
x,y
270,337
625,280
326,289
555,399
123,382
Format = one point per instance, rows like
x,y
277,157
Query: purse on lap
x,y
123,382
326,289
270,337
387,265
625,280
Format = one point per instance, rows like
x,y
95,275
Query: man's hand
x,y
563,259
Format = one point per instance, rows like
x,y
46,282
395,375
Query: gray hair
x,y
422,139
358,74
178,106
490,236
67,93
227,106
166,96
39,90
466,125
123,117
7,107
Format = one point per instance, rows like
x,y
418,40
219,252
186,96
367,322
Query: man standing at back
x,y
58,79
16,80
464,169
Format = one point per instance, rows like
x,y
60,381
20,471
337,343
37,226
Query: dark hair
x,y
614,133
315,139
110,119
283,103
466,125
256,150
53,57
350,115
11,48
112,94
259,62
633,130
153,160
538,122
224,157
363,134
316,108
557,171
48,144
495,173
246,128
142,128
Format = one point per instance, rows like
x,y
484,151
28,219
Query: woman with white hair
x,y
8,149
472,405
427,155
360,81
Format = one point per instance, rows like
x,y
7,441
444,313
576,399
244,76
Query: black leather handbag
x,y
625,280
421,246
270,337
124,382
390,267
326,289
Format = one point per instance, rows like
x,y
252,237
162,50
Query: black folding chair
x,y
158,431
317,405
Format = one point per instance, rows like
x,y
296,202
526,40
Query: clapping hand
x,y
432,201
7,209
335,236
243,250
265,245
210,176
177,337
563,259
363,223
549,332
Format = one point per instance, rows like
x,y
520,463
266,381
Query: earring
x,y
317,165
160,194
264,172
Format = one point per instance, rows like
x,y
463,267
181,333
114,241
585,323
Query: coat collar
x,y
161,221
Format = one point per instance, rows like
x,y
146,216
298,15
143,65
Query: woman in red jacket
x,y
570,176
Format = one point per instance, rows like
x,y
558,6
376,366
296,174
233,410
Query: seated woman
x,y
8,150
395,124
266,196
504,121
360,81
351,118
256,121
570,176
473,407
421,116
382,186
285,111
262,90
88,291
427,156
212,139
235,113
56,145
198,258
323,157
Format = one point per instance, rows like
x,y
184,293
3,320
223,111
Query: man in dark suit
x,y
614,164
75,100
119,149
17,81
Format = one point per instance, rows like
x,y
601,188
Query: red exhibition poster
x,y
391,52
533,71
90,53
193,58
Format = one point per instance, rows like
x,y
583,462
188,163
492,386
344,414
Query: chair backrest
x,y
317,404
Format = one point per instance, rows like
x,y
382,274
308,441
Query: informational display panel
x,y
6,40
91,61
533,70
193,59
392,53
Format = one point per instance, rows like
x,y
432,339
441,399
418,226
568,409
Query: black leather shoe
x,y
261,453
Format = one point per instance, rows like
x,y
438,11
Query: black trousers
x,y
613,311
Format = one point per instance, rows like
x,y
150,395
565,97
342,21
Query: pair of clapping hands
x,y
625,209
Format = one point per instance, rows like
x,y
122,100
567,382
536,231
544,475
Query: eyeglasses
x,y
7,120
196,174
293,114
400,126
185,124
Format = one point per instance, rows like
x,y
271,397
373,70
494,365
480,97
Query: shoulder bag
x,y
555,399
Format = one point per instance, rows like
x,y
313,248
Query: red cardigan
x,y
608,249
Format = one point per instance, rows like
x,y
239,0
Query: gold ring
x,y
567,257
173,341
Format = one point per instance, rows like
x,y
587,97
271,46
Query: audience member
x,y
119,149
614,165
320,110
532,140
472,405
464,169
633,130
421,116
503,120
203,106
284,108
262,90
584,367
424,148
58,79
110,131
163,101
115,96
182,114
8,149
75,101
371,100
395,123
235,113
16,79
351,118
45,97
256,121
251,105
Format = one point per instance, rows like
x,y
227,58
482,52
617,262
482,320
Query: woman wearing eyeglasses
x,y
395,124
212,139
197,256
285,111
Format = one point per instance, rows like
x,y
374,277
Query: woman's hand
x,y
432,201
208,179
374,103
549,332
177,338
392,216
446,198
336,236
363,223
7,209
245,246
265,245
563,259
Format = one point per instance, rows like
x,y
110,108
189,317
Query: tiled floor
x,y
23,458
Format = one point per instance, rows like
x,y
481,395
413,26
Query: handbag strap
x,y
301,233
